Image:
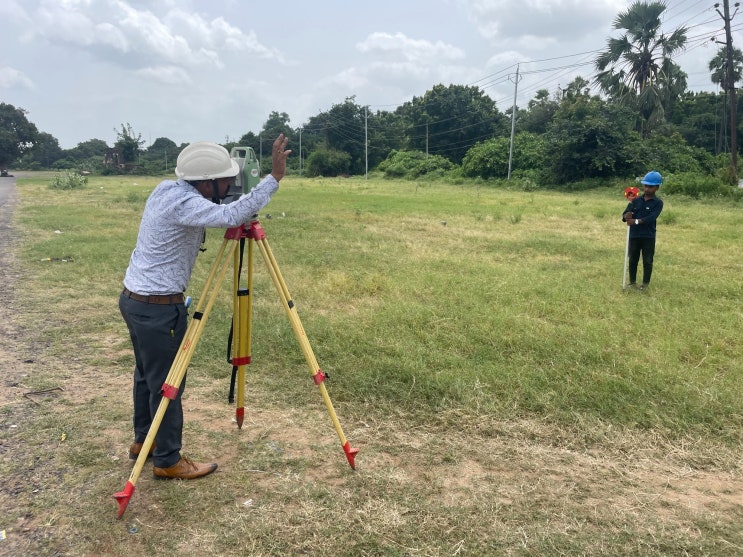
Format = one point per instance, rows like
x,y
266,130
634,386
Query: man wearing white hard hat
x,y
152,302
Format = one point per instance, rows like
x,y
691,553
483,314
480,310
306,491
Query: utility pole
x,y
730,82
513,120
366,143
300,151
426,140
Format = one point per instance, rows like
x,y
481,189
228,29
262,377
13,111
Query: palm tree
x,y
718,67
637,68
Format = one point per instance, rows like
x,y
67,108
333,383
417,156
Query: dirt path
x,y
12,365
11,362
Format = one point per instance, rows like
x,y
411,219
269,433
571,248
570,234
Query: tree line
x,y
635,113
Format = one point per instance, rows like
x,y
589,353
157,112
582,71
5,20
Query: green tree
x,y
277,123
164,145
637,68
449,120
386,133
590,138
45,152
17,134
129,143
93,148
159,157
671,153
579,87
718,67
538,114
342,128
701,119
328,162
489,159
248,140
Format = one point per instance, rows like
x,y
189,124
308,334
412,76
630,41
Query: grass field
x,y
507,396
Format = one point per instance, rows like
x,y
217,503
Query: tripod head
x,y
249,175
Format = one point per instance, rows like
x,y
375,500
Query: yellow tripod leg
x,y
242,358
237,348
199,309
291,311
178,370
242,316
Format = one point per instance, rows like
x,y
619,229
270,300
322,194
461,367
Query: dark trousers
x,y
156,332
646,247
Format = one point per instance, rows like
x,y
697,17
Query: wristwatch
x,y
637,221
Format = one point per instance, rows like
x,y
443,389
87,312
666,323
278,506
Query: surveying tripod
x,y
241,327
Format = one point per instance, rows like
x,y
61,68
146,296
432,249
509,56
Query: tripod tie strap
x,y
169,391
319,377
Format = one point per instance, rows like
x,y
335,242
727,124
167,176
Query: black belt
x,y
162,299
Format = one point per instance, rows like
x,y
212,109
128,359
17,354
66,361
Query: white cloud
x,y
219,33
398,62
399,46
12,10
150,34
11,77
500,20
109,35
504,59
56,22
169,75
175,38
351,78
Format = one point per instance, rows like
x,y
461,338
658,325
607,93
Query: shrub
x,y
697,185
413,164
727,175
489,159
529,179
673,155
68,181
328,162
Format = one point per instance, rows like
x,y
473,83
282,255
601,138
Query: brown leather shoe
x,y
184,469
136,448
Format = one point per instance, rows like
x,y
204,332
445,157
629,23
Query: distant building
x,y
113,157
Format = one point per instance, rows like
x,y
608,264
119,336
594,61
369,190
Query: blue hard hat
x,y
652,179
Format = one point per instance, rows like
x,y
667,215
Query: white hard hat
x,y
204,160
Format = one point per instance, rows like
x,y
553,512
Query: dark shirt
x,y
647,210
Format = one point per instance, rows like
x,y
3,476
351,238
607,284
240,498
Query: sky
x,y
214,70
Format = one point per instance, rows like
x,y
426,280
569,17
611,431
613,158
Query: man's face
x,y
223,184
650,191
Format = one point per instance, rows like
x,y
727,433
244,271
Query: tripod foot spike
x,y
123,497
350,454
239,417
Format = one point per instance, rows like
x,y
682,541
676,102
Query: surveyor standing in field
x,y
152,302
641,215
